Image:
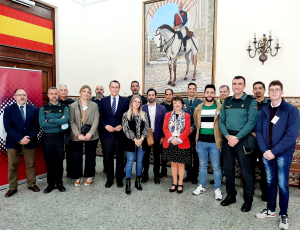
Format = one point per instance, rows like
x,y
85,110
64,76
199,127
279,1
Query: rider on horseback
x,y
180,19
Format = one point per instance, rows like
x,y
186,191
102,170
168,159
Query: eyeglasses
x,y
275,91
21,95
137,102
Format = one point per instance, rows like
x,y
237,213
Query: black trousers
x,y
257,160
90,158
53,149
69,163
192,169
157,148
245,162
111,147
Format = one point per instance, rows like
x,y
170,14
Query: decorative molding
x,y
88,2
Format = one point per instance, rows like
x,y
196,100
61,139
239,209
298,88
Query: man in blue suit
x,y
156,115
111,112
21,125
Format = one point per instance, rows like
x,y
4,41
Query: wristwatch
x,y
227,136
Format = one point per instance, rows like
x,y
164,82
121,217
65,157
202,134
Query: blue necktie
x,y
22,112
114,106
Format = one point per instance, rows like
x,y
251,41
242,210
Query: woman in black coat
x,y
136,128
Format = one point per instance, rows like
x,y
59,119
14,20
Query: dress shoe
x,y
49,188
228,200
88,181
138,183
34,188
156,180
77,182
10,193
120,184
173,190
108,184
145,178
61,188
180,191
128,186
246,207
187,179
163,174
195,181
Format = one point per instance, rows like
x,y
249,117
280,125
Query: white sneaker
x,y
199,190
284,222
218,194
265,213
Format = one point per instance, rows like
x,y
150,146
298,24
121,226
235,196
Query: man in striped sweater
x,y
208,140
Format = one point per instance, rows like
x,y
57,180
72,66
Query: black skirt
x,y
174,154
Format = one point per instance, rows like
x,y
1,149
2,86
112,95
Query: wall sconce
x,y
263,46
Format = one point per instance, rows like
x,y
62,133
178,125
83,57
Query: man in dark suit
x,y
111,112
21,125
156,115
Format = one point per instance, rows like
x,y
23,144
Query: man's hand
x,y
138,142
88,136
109,128
25,140
254,134
191,130
162,140
176,27
232,140
268,155
62,117
174,141
81,137
118,128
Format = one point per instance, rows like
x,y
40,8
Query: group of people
x,y
253,129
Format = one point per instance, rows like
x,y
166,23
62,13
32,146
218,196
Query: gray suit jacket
x,y
91,118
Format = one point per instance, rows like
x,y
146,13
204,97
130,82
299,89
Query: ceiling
x,y
88,2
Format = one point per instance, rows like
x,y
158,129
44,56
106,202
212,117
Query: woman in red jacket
x,y
176,150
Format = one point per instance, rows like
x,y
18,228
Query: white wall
x,y
107,38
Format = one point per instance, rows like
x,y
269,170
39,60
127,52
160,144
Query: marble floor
x,y
96,207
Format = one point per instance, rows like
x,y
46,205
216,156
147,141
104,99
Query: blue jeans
x,y
278,174
139,162
203,149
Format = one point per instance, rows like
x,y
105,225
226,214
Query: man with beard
x,y
156,115
208,140
259,90
135,88
168,104
99,91
64,100
53,118
20,122
190,104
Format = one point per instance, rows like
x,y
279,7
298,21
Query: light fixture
x,y
263,47
25,2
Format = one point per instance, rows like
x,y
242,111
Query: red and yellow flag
x,y
20,29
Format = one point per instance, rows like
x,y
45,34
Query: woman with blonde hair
x,y
136,128
84,120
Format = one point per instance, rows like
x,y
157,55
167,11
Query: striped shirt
x,y
206,133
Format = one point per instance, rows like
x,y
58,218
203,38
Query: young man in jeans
x,y
208,140
277,131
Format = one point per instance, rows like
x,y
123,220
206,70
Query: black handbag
x,y
85,128
249,144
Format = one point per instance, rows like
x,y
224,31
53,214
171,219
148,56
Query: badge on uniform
x,y
275,119
242,105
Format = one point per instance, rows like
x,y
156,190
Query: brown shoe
x,y
34,188
10,193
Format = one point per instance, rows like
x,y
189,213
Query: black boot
x,y
138,183
128,186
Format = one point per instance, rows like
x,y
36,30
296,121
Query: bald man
x,y
99,91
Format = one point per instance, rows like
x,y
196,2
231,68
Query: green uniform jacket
x,y
191,110
238,115
54,117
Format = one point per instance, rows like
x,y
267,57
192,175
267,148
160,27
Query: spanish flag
x,y
23,30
